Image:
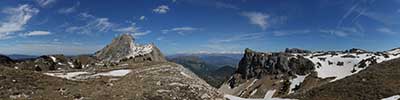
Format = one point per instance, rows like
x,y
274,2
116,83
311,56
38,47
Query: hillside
x,y
119,71
375,82
214,74
294,72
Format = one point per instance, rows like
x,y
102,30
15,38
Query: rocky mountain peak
x,y
6,61
356,50
124,47
296,50
260,64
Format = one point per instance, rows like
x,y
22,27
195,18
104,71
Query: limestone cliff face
x,y
123,47
259,64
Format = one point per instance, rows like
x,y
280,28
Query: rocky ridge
x,y
114,73
286,73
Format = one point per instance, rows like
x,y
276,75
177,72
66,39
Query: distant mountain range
x,y
213,68
21,56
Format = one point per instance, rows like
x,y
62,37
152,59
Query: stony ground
x,y
147,81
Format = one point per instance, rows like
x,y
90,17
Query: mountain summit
x,y
124,47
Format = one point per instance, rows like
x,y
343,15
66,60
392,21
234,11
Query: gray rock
x,y
124,48
259,64
296,50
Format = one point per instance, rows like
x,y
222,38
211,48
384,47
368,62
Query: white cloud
x,y
45,3
257,18
70,9
134,30
180,30
86,15
239,37
16,20
141,33
94,24
36,33
142,17
386,30
129,29
162,9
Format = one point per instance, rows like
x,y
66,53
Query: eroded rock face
x,y
296,50
258,65
124,47
5,61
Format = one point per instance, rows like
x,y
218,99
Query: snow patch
x,y
253,92
71,65
231,97
330,67
115,73
186,75
69,76
269,94
296,81
395,97
394,51
84,75
53,58
139,50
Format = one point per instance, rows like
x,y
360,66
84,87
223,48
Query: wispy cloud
x,y
342,32
16,20
36,33
386,30
133,29
181,30
70,9
45,3
225,5
94,24
290,32
239,37
142,17
162,9
257,18
141,33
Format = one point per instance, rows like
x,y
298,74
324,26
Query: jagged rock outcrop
x,y
259,72
5,61
123,47
256,64
356,50
296,50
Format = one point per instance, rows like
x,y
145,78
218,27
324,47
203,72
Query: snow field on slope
x,y
84,75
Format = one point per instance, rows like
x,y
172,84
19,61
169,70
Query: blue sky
x,y
71,27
